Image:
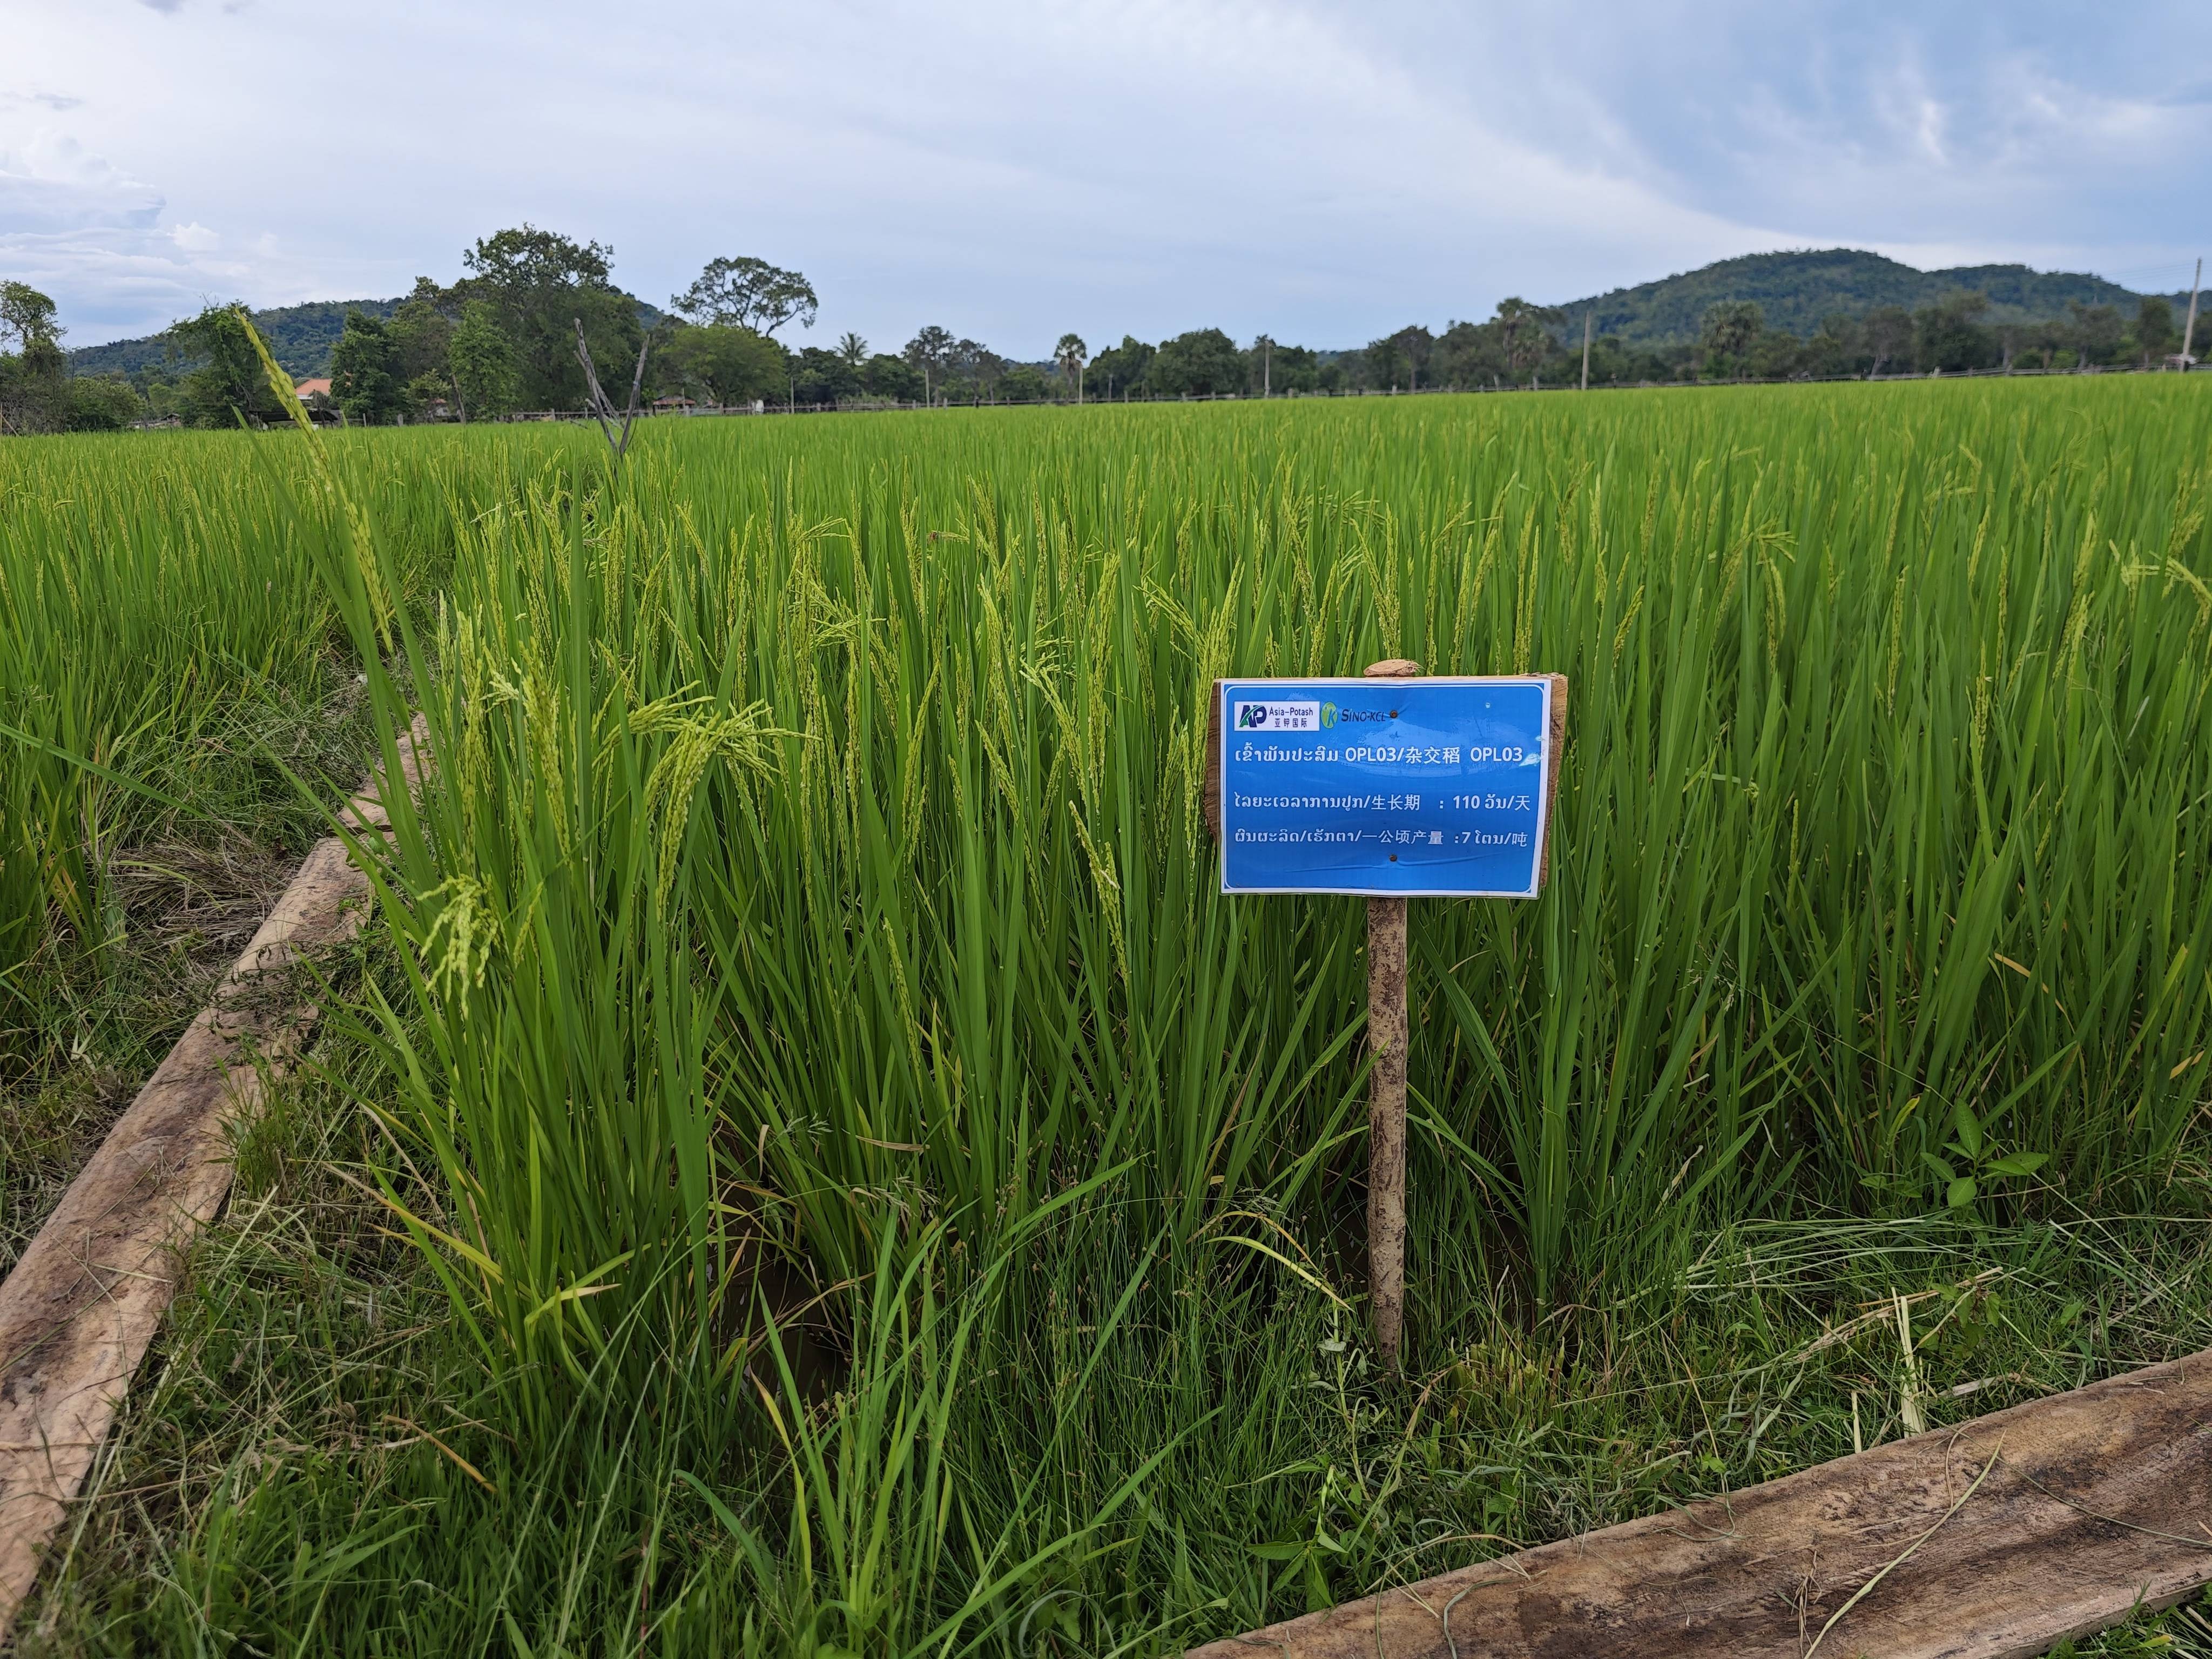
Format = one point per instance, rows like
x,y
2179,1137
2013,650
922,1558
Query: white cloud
x,y
1324,169
52,182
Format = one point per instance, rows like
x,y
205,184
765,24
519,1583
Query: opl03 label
x,y
1386,787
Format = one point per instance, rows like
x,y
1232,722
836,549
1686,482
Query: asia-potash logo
x,y
1279,716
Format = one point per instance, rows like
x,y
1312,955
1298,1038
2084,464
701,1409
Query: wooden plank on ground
x,y
82,1305
1994,1539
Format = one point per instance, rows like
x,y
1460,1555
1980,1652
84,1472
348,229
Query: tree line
x,y
718,345
1526,344
502,339
38,394
1949,336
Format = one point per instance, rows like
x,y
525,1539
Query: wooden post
x,y
1386,1101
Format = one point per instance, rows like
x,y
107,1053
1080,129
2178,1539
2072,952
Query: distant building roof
x,y
311,388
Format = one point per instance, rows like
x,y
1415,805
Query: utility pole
x,y
1586,329
1268,358
2188,333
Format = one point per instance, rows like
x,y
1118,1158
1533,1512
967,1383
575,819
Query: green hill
x,y
1796,290
300,336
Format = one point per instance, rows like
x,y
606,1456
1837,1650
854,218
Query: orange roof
x,y
309,388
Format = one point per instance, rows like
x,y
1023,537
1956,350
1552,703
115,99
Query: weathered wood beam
x,y
1994,1539
82,1304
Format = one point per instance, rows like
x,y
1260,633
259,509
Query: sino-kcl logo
x,y
1328,713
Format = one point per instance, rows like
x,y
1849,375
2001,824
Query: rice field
x,y
859,1186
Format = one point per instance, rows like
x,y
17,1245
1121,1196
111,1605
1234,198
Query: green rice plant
x,y
813,845
820,805
129,618
808,923
151,585
887,1486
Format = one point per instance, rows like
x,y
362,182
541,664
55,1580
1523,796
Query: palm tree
x,y
1520,330
853,349
1071,354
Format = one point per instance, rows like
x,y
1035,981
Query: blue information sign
x,y
1385,787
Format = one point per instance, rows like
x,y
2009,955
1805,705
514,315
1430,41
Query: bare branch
x,y
601,405
636,383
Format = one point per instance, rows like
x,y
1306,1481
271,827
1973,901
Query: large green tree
x,y
820,377
35,389
1731,328
485,378
1469,354
1123,371
423,335
225,384
1524,333
365,372
724,363
26,316
1950,334
954,369
1291,369
38,392
748,292
1400,358
976,370
886,376
2155,331
931,353
1886,334
540,284
103,403
2095,332
1201,362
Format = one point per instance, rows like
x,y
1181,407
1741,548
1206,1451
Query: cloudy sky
x,y
1324,170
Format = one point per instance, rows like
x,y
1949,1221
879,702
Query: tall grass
x,y
149,585
819,822
812,868
132,611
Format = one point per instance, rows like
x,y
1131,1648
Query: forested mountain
x,y
1796,292
301,336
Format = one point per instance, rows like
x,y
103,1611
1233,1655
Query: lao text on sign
x,y
1392,787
